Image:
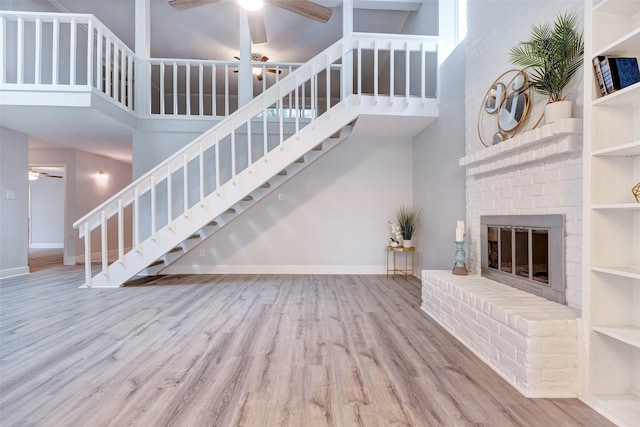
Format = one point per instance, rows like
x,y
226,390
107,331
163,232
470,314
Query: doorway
x,y
47,205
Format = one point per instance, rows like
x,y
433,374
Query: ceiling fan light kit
x,y
251,5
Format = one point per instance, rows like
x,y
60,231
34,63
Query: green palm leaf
x,y
553,54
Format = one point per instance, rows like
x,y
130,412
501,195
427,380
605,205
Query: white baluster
x,y
249,148
108,77
375,71
90,53
188,88
152,184
129,90
407,73
200,90
233,153
162,94
264,131
422,72
213,91
38,58
87,254
392,75
120,232
99,63
169,198
359,71
123,76
175,89
217,152
328,84
104,247
72,52
185,179
136,219
297,109
201,166
226,90
3,36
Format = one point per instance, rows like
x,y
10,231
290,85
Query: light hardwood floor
x,y
245,351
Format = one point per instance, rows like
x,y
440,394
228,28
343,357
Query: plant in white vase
x,y
408,218
553,55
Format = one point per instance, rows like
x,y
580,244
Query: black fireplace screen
x,y
525,251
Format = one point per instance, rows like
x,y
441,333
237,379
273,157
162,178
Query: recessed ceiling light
x,y
251,5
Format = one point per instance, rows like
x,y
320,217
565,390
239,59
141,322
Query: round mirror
x,y
513,112
519,82
494,98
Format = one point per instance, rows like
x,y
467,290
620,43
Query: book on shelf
x,y
616,73
599,77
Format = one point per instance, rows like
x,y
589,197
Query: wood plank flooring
x,y
245,351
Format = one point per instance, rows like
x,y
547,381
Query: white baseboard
x,y
13,272
46,246
275,269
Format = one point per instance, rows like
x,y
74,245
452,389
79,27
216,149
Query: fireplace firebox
x,y
526,252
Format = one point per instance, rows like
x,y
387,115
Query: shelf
x,y
630,149
622,409
617,206
621,8
627,334
626,45
631,272
627,97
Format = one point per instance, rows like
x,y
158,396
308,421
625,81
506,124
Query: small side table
x,y
406,270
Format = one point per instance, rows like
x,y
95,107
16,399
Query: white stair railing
x,y
208,168
195,87
57,51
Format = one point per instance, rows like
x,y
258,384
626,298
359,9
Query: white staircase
x,y
216,177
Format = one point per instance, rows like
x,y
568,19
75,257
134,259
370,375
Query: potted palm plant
x,y
408,218
553,55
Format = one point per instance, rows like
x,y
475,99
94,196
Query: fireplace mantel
x,y
558,138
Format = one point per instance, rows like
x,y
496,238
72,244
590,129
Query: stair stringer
x,y
260,193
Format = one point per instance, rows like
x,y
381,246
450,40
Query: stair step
x,y
230,211
318,147
282,172
336,135
353,122
300,160
247,198
158,262
212,224
193,236
176,249
265,185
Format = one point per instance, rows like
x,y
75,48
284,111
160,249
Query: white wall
x,y
333,218
14,207
439,183
47,212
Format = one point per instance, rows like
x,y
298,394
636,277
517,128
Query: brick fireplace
x,y
532,342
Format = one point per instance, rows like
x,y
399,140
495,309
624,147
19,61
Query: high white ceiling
x,y
212,31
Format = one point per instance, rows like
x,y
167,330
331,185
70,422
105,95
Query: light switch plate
x,y
11,194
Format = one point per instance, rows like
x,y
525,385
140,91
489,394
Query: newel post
x,y
142,79
347,48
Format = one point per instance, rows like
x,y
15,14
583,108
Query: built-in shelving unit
x,y
611,306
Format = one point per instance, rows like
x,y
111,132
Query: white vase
x,y
558,110
407,243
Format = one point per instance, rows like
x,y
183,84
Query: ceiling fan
x,y
257,71
35,174
257,29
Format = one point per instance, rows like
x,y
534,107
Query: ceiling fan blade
x,y
259,77
274,71
305,8
189,4
256,28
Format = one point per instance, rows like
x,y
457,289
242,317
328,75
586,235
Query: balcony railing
x,y
58,51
